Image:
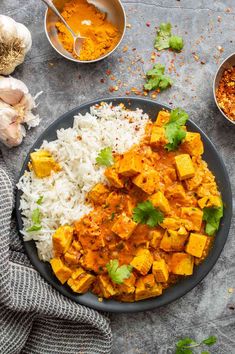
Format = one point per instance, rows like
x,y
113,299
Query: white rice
x,y
64,192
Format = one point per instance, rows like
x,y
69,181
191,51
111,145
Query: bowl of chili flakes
x,y
224,88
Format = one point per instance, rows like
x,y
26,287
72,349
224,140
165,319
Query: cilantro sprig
x,y
36,221
146,213
173,129
116,273
105,157
155,78
212,217
165,40
186,345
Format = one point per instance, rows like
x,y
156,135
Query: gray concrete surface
x,y
208,309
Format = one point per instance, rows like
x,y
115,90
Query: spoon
x,y
77,39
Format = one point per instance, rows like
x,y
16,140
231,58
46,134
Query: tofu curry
x,y
152,221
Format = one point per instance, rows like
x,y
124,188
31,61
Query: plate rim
x,y
114,305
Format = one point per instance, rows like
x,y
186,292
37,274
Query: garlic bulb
x,y
16,105
15,42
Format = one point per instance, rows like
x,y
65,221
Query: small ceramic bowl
x,y
226,64
115,14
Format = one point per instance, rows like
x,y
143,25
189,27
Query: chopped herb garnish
x,y
176,43
186,345
212,217
146,213
163,36
36,219
40,200
165,40
156,78
105,157
116,273
112,216
174,128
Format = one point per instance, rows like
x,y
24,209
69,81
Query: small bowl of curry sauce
x,y
102,22
224,88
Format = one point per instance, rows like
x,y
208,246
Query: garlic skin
x,y
15,42
16,105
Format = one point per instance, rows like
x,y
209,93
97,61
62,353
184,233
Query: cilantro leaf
x,y
105,157
185,342
210,340
36,219
146,213
176,43
173,129
40,200
212,217
163,36
156,78
205,352
116,273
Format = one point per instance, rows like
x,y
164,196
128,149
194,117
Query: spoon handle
x,y
50,4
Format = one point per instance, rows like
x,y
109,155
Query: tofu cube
x,y
196,244
43,163
171,223
210,201
172,241
158,137
155,238
146,287
184,166
148,180
62,239
128,286
106,286
124,226
98,194
192,144
163,117
130,164
176,191
112,176
181,264
159,201
72,258
160,271
142,261
62,272
193,216
81,284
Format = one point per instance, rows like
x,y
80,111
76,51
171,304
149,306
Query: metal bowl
x,y
226,64
115,14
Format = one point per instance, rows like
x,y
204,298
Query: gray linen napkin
x,y
35,318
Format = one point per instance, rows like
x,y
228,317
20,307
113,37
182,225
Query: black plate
x,y
215,164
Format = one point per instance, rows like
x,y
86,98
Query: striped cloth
x,y
35,318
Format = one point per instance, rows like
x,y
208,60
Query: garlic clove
x,y
12,90
25,36
11,132
7,28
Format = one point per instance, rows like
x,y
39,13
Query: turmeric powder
x,y
85,19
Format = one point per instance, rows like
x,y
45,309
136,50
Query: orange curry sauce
x,y
179,186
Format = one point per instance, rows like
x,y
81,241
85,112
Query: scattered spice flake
x,y
196,57
100,299
102,81
231,307
220,49
128,25
219,18
127,93
108,72
230,290
228,10
148,24
125,49
203,62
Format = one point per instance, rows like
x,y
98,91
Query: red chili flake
x,y
231,307
203,62
125,48
102,81
108,72
219,18
148,24
228,10
79,77
111,89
